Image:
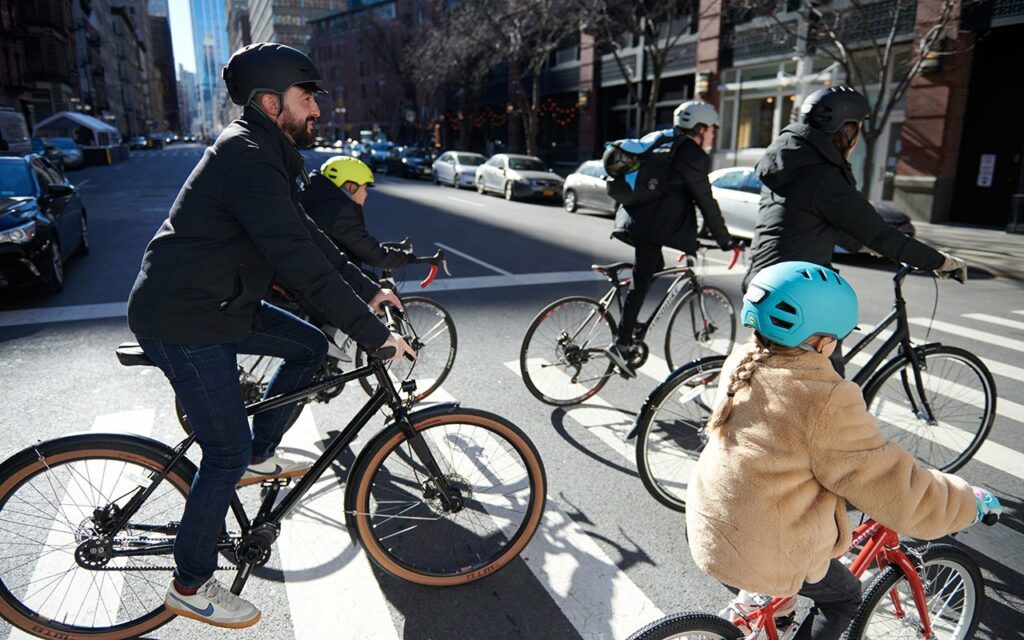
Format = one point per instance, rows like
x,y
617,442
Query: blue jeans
x,y
205,379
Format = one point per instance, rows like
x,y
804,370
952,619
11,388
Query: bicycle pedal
x,y
280,483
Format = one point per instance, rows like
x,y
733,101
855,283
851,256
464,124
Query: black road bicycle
x,y
563,360
442,496
936,401
428,324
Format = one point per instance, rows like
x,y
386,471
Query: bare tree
x,y
658,25
864,39
389,45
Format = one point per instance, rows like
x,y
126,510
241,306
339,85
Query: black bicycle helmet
x,y
827,110
268,66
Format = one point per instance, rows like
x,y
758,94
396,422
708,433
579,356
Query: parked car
x,y
380,153
457,168
517,176
69,154
42,222
585,188
738,192
48,150
13,132
410,162
138,142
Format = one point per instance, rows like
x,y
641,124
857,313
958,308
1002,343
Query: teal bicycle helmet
x,y
789,302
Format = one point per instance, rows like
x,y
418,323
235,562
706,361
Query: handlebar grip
x,y
734,259
430,276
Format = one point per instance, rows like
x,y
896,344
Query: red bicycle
x,y
931,592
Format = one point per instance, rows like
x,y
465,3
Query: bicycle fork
x,y
436,486
919,404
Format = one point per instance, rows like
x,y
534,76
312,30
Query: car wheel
x,y
510,191
569,201
480,186
83,244
455,180
437,180
53,269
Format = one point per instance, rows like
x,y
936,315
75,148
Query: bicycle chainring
x,y
639,354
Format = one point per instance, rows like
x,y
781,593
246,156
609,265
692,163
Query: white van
x,y
14,131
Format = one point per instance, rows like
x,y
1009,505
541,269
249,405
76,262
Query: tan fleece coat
x,y
766,504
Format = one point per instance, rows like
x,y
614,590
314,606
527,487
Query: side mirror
x,y
58,190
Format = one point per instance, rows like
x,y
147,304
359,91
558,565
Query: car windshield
x,y
63,143
415,153
15,179
526,164
472,161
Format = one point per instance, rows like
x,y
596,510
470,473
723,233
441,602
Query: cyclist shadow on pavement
x,y
617,428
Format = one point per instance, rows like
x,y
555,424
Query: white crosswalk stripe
x,y
967,332
1003,322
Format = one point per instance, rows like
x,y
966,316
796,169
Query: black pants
x,y
648,262
837,598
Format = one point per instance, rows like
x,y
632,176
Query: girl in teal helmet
x,y
789,443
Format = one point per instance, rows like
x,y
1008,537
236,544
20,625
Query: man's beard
x,y
298,130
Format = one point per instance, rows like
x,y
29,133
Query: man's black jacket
x,y
672,221
235,228
810,203
344,223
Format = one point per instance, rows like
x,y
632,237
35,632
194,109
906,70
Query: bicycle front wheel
x,y
491,469
432,334
953,589
562,359
702,324
671,433
960,394
689,626
59,576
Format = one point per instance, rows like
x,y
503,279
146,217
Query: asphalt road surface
x,y
608,558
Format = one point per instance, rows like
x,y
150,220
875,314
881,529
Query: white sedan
x,y
457,168
516,176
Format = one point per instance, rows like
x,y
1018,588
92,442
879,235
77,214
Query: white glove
x,y
952,265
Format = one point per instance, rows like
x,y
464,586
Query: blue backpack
x,y
639,169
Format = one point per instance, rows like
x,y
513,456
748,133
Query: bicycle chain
x,y
122,541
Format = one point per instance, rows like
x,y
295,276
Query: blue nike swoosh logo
x,y
208,611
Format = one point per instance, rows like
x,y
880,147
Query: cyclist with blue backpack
x,y
659,207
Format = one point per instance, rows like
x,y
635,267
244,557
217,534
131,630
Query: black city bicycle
x,y
936,401
428,325
563,360
442,496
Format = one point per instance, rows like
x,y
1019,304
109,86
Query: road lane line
x,y
973,334
475,204
83,582
472,259
1005,322
320,560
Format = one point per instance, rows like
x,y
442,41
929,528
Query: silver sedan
x,y
457,168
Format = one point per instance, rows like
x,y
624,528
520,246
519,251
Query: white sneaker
x,y
746,603
213,604
274,467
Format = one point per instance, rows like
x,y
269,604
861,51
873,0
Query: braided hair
x,y
742,373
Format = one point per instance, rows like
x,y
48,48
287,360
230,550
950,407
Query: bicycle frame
x,y
684,282
879,546
266,524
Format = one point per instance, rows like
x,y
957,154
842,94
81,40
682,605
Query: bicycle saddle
x,y
611,270
130,354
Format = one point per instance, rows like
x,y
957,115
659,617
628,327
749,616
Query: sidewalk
x,y
992,250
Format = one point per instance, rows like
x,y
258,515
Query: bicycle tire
x,y
939,562
140,603
536,370
700,330
670,430
426,360
394,500
692,626
887,399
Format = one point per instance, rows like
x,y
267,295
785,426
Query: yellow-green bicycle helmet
x,y
342,169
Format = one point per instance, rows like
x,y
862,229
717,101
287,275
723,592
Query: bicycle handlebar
x,y
434,261
404,245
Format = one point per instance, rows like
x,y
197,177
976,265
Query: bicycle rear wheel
x,y
953,589
57,577
689,626
562,359
488,464
960,392
702,324
433,336
671,434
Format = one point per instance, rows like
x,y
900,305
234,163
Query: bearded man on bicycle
x,y
670,221
235,227
810,201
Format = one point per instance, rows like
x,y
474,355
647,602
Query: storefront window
x,y
755,124
724,138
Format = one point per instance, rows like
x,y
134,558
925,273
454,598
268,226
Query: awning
x,y
85,129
